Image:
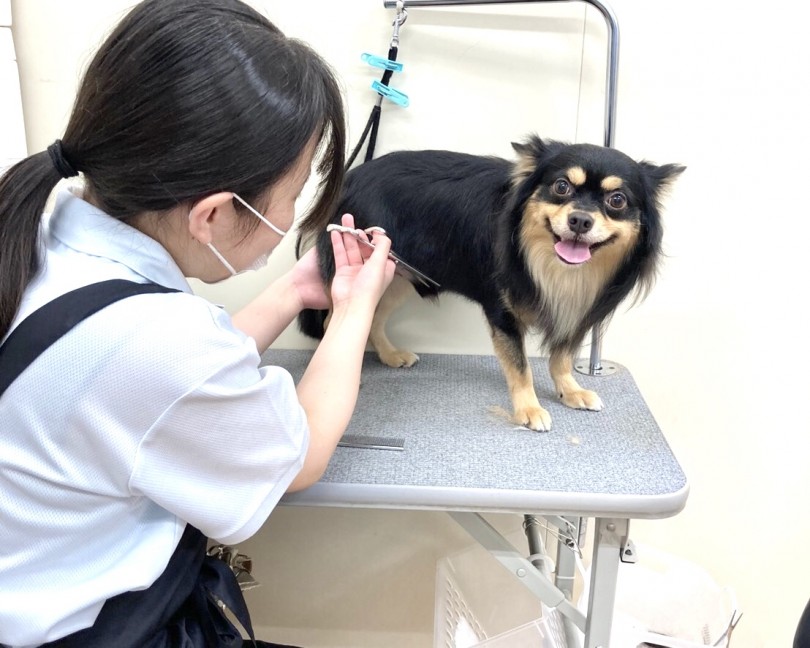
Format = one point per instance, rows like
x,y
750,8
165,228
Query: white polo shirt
x,y
149,414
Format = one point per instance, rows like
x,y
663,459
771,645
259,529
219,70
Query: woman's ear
x,y
208,213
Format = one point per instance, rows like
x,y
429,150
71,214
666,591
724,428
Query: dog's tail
x,y
311,322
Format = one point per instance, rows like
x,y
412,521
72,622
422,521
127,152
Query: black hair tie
x,y
59,160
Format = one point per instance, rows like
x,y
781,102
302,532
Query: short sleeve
x,y
226,449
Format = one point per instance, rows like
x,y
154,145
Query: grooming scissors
x,y
404,269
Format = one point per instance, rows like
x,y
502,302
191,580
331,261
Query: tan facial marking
x,y
611,183
577,175
570,291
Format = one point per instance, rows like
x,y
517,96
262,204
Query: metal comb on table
x,y
371,442
404,269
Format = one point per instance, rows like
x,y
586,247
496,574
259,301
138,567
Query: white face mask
x,y
259,263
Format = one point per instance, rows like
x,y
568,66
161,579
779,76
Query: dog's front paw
x,y
534,418
398,358
582,399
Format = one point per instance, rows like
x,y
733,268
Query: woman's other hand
x,y
360,271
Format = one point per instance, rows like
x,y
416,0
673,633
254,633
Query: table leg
x,y
570,539
609,536
566,562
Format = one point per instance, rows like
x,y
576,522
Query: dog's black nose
x,y
580,222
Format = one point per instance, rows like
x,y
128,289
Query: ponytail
x,y
24,192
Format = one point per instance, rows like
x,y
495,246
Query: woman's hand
x,y
308,284
360,271
328,389
350,277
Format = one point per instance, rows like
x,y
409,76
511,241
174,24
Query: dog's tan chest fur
x,y
569,292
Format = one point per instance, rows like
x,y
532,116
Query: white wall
x,y
717,349
12,129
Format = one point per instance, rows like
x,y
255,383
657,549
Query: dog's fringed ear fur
x,y
661,177
530,154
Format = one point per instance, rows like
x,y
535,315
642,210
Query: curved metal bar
x,y
611,90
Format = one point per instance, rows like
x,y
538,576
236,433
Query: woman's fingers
x,y
354,255
349,251
338,249
382,244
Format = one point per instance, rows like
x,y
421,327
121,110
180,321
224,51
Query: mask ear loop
x,y
278,231
221,258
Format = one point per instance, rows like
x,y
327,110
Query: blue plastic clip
x,y
382,63
399,98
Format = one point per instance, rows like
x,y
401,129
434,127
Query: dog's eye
x,y
616,200
561,187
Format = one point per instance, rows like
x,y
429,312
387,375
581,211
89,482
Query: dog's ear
x,y
530,155
532,147
661,177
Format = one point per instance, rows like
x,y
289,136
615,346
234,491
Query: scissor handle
x,y
402,266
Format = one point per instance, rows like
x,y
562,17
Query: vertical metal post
x,y
566,568
595,367
610,535
566,564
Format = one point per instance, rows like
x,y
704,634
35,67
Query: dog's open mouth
x,y
573,251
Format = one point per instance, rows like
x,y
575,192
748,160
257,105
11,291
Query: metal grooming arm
x,y
594,366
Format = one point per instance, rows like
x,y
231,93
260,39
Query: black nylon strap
x,y
47,324
373,123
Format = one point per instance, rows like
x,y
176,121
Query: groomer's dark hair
x,y
185,98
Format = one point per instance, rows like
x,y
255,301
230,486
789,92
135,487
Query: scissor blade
x,y
404,269
416,274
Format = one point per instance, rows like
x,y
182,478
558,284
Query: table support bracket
x,y
515,562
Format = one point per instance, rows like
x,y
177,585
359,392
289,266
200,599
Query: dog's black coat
x,y
459,218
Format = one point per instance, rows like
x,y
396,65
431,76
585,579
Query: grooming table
x,y
461,455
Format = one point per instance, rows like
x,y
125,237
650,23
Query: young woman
x,y
148,426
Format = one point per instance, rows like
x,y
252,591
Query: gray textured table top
x,y
459,454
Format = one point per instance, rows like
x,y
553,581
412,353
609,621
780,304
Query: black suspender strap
x,y
47,324
186,603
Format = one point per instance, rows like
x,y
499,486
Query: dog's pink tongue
x,y
573,251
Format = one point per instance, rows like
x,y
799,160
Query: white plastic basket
x,y
480,604
662,600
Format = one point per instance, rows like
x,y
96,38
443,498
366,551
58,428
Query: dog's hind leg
x,y
511,353
560,364
399,290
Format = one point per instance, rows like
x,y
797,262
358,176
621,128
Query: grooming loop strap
x,y
399,20
383,90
